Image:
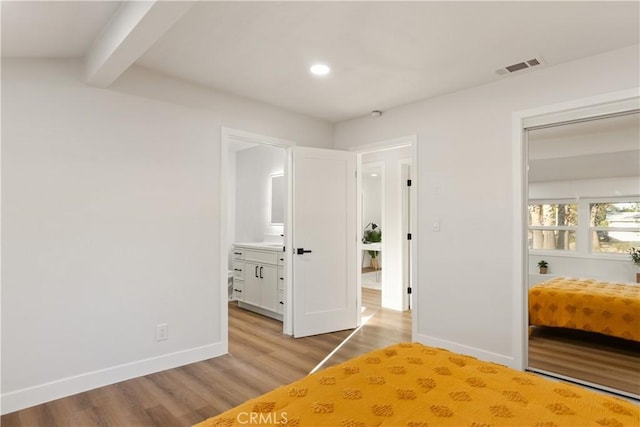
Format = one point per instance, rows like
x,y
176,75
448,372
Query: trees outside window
x,y
585,226
552,226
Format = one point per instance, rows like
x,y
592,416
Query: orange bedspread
x,y
607,308
417,386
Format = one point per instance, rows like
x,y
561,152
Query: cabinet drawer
x,y
280,307
281,278
237,253
266,257
238,270
238,287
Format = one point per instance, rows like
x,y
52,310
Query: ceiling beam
x,y
132,30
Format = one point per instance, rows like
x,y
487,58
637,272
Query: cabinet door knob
x,y
256,271
261,273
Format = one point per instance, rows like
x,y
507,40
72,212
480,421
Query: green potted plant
x,y
544,266
634,253
373,235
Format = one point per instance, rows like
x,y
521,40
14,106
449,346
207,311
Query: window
x,y
552,226
585,227
614,227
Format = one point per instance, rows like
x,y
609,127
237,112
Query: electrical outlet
x,y
162,332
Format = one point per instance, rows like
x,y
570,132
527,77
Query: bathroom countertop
x,y
261,245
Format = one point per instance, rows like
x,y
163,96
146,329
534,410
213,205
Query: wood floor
x,y
260,358
595,358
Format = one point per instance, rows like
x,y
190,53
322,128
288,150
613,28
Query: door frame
x,y
406,261
228,134
581,109
390,144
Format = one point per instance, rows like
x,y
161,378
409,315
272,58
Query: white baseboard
x,y
463,349
27,397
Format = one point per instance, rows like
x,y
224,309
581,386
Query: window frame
x,y
591,229
583,229
563,201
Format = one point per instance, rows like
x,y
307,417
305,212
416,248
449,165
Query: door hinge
x,y
409,290
408,183
409,236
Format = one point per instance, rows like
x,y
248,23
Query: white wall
x,y
254,168
465,150
232,111
585,188
111,224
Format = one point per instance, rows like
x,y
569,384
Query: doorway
x,y
318,246
256,193
386,217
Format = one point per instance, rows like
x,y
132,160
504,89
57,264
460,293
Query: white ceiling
x,y
382,54
52,29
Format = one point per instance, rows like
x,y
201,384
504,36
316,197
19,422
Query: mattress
x,y
607,308
412,385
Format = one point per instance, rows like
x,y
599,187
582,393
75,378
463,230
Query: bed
x,y
607,308
412,385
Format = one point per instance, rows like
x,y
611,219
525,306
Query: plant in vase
x,y
635,257
544,266
374,235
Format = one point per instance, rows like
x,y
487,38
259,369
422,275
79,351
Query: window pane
x,y
552,240
554,215
614,241
621,214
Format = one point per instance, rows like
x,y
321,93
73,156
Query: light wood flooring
x,y
595,358
260,359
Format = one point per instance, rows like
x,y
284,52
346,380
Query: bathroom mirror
x,y
278,192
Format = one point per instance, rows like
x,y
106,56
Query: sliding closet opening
x,y
582,213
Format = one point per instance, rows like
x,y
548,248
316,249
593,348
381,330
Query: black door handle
x,y
261,273
301,251
256,271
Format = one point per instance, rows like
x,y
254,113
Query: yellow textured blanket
x,y
607,308
417,386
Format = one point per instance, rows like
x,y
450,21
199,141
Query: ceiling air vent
x,y
519,66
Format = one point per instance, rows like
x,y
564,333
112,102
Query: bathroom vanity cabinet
x,y
259,278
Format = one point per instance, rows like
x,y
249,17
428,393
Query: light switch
x,y
435,226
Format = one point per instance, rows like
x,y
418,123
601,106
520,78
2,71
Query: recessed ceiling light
x,y
320,69
374,175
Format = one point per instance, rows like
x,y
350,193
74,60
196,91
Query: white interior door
x,y
324,224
